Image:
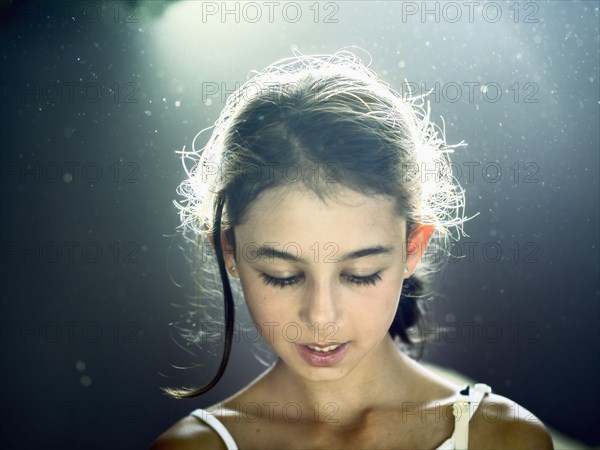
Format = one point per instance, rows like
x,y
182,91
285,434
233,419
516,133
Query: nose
x,y
321,306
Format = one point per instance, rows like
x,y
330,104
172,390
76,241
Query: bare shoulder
x,y
188,433
501,423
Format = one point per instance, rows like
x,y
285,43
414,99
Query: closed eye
x,y
369,280
280,282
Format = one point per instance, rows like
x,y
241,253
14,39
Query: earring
x,y
406,270
233,268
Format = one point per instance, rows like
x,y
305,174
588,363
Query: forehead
x,y
298,215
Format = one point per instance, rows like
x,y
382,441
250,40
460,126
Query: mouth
x,y
323,355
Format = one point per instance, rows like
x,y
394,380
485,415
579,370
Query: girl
x,y
320,190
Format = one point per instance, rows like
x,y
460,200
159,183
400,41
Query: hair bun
x,y
411,310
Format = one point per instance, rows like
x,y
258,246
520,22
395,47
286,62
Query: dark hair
x,y
323,121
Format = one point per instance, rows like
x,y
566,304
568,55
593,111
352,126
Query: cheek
x,y
265,311
375,314
255,298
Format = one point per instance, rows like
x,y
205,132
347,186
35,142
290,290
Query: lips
x,y
323,355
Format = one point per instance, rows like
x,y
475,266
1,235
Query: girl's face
x,y
324,274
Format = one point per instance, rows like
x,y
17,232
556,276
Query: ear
x,y
228,252
416,245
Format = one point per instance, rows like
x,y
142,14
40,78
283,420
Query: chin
x,y
322,373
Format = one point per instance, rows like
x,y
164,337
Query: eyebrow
x,y
271,252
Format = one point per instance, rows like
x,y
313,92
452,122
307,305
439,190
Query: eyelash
x,y
369,280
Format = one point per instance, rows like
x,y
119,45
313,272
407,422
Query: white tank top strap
x,y
216,425
463,409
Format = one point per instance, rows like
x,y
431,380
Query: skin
x,y
362,401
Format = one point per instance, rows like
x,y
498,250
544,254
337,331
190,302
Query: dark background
x,y
96,97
